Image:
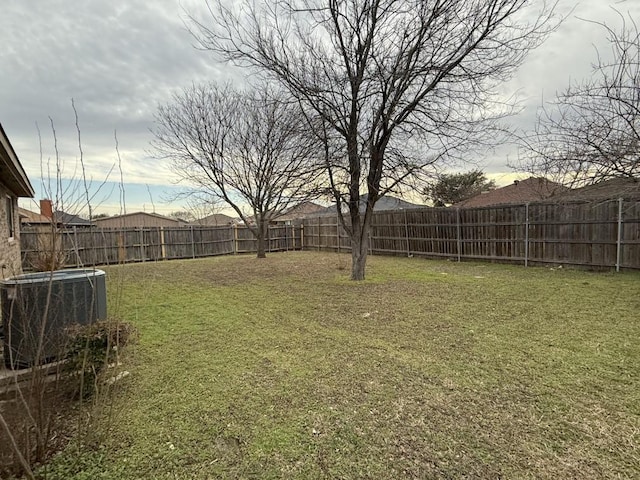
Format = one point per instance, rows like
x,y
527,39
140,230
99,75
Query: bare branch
x,y
248,149
591,131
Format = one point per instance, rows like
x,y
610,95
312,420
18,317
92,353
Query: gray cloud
x,y
118,59
567,56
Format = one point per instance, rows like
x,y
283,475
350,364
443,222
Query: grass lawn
x,y
283,368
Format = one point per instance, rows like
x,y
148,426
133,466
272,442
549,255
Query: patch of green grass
x,y
282,368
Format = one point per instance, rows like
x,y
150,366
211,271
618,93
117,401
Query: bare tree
x,y
392,87
591,132
249,149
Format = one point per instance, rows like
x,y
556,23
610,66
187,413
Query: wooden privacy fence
x,y
97,246
604,234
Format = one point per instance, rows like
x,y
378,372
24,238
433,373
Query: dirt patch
x,y
41,422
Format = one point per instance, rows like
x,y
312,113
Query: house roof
x,y
627,188
392,203
214,219
300,210
70,220
33,218
60,218
387,202
125,215
533,189
11,171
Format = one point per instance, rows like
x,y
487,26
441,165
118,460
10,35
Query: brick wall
x,y
9,248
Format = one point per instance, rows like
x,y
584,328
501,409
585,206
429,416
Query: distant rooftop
x,y
533,189
216,219
627,188
387,202
70,220
300,210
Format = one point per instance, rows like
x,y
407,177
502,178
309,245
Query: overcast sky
x,y
119,59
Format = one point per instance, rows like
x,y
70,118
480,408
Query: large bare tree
x,y
591,131
248,148
391,86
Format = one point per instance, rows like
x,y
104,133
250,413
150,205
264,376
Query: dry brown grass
x,y
283,368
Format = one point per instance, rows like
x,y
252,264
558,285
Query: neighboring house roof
x,y
520,191
627,188
298,211
387,202
148,214
11,172
32,218
70,220
215,219
135,218
27,217
47,216
392,203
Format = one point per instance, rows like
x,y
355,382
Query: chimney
x,y
46,208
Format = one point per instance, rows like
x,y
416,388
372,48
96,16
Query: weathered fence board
x,y
97,246
604,234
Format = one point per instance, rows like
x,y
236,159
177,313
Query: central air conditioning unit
x,y
38,308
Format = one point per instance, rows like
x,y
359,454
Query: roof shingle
x,y
521,191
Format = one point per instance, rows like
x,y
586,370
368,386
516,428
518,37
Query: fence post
x,y
291,237
318,233
75,244
406,232
619,239
301,237
122,248
163,248
286,237
105,252
104,246
338,231
142,255
458,233
235,238
526,234
193,244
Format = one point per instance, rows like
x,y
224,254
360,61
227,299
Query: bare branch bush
x,y
393,89
38,407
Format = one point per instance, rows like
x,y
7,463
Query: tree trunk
x,y
262,252
359,251
261,237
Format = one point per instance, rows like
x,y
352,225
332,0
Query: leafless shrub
x,y
39,406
